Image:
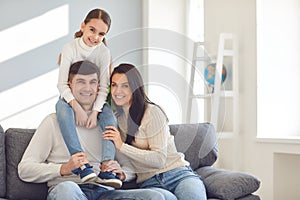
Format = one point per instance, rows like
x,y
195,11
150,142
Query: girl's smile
x,y
93,32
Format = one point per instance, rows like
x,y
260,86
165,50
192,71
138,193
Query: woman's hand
x,y
92,120
113,166
112,133
76,161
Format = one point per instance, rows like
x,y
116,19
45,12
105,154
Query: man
x,y
47,158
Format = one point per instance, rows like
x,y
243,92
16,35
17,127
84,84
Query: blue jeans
x,y
182,182
66,120
69,190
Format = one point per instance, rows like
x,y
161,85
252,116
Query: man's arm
x,y
34,166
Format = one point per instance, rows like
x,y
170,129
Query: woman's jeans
x,y
182,182
69,190
66,120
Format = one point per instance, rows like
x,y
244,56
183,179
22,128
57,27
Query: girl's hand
x,y
76,161
92,120
80,115
112,133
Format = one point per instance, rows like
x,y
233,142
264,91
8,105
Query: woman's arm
x,y
63,73
151,143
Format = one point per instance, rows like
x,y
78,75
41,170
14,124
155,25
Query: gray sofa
x,y
196,141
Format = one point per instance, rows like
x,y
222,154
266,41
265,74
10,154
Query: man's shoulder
x,y
52,117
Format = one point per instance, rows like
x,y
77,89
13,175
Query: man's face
x,y
84,89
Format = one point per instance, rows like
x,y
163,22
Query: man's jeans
x,y
182,181
66,120
69,190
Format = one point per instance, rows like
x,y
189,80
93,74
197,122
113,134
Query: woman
x,y
144,138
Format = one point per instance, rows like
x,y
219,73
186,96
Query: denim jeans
x,y
182,182
69,190
66,120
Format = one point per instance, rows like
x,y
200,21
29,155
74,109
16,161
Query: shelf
x,y
228,52
227,93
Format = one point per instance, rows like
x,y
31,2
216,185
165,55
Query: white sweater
x,y
77,50
47,151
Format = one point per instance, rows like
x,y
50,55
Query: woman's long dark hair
x,y
139,98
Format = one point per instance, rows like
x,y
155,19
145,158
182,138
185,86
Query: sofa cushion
x,y
2,164
225,184
16,141
198,143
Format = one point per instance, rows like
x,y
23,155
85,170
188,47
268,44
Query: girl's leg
x,y
107,118
66,121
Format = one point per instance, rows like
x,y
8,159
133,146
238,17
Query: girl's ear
x,y
82,26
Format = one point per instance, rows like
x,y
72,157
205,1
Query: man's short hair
x,y
84,67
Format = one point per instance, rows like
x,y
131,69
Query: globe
x,y
210,71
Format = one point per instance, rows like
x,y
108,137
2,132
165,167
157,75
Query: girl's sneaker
x,y
85,172
110,179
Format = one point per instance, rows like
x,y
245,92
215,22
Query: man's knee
x,y
63,189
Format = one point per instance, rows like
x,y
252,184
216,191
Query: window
x,y
278,68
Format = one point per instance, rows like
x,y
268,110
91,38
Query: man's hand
x,y
80,115
113,166
92,120
76,161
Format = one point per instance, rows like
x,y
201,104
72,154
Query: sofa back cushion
x,y
2,164
197,141
16,141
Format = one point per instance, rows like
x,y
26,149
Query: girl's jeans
x,y
182,182
66,120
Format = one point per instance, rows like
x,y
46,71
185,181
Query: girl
x,y
145,139
89,44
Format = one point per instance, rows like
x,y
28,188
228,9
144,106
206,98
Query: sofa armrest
x,y
197,141
2,164
16,141
225,184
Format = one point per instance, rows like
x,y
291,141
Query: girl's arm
x,y
63,73
66,59
104,63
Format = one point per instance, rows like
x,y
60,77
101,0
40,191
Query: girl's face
x,y
93,31
121,91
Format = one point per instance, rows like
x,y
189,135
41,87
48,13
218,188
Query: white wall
x,y
166,55
258,157
32,35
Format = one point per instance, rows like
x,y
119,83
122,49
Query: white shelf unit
x,y
227,49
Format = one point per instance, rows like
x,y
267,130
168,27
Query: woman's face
x,y
121,91
93,31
